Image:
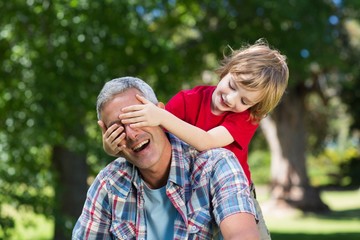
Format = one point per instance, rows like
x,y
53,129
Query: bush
x,y
351,170
259,162
335,167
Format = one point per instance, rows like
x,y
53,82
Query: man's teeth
x,y
138,147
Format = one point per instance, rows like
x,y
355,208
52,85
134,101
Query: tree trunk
x,y
70,192
286,136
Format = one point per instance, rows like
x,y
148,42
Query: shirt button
x,y
193,228
124,237
141,238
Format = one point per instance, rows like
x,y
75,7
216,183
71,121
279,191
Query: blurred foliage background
x,y
56,55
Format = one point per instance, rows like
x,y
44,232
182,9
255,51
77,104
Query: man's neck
x,y
158,178
155,180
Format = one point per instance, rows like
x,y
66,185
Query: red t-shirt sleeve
x,y
240,128
176,105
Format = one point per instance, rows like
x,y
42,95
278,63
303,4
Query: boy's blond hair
x,y
257,67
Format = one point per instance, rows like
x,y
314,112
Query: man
x,y
161,188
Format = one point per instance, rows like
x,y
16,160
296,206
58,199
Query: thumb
x,y
142,99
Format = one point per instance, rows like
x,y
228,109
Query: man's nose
x,y
131,133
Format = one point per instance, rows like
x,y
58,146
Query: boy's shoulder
x,y
202,88
198,90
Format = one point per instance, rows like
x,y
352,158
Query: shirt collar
x,y
179,160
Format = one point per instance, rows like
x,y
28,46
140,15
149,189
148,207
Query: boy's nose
x,y
230,98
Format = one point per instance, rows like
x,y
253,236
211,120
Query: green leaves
x,y
57,55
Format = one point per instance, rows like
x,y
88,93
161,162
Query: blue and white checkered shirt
x,y
204,187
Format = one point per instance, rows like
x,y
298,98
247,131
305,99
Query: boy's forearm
x,y
190,134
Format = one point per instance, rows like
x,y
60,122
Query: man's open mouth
x,y
141,146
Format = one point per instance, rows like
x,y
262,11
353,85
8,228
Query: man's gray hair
x,y
119,85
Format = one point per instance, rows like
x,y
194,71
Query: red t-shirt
x,y
194,106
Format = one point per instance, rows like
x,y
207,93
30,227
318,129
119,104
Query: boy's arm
x,y
195,136
149,114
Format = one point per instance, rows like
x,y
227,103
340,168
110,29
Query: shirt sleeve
x,y
95,219
240,128
229,187
176,105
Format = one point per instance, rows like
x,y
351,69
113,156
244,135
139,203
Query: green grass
x,y
343,222
28,225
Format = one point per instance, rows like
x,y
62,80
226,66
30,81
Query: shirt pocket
x,y
200,225
124,230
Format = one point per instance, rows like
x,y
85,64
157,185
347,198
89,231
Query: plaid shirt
x,y
205,188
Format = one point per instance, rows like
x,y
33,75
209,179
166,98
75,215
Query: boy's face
x,y
148,148
230,96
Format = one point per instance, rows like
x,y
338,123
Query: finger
x,y
132,108
130,115
132,120
115,128
142,99
120,148
121,138
116,134
120,141
139,125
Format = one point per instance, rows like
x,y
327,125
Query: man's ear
x,y
161,105
102,126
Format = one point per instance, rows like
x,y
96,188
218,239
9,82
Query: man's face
x,y
147,148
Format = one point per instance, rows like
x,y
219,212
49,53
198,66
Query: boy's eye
x,y
231,87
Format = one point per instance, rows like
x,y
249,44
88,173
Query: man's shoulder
x,y
115,165
211,156
217,154
117,175
213,166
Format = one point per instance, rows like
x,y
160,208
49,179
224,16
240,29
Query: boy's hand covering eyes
x,y
113,138
141,115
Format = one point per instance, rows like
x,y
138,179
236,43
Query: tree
x,y
56,57
313,37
